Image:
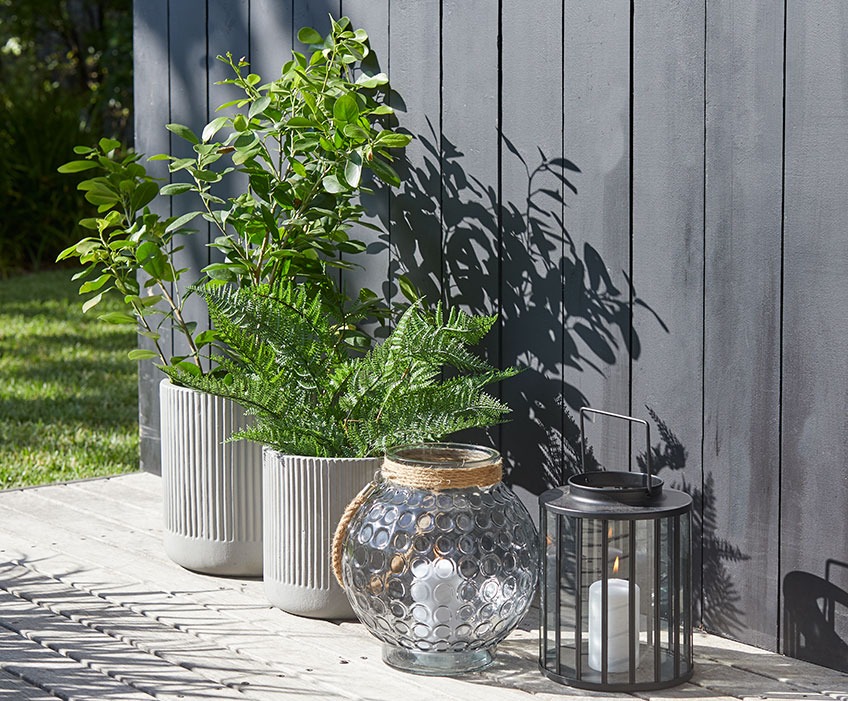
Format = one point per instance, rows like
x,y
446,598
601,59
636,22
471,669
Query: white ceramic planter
x,y
304,500
212,488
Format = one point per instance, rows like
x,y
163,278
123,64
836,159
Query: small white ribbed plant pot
x,y
304,500
212,488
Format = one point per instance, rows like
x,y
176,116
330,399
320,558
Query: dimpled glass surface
x,y
450,571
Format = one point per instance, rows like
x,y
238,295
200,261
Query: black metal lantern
x,y
616,582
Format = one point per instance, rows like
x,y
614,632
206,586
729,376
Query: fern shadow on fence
x,y
717,597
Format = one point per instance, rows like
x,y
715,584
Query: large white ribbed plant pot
x,y
304,498
212,488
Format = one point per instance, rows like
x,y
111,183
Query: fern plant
x,y
288,367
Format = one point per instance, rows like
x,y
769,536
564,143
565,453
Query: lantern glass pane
x,y
686,593
645,556
668,598
593,561
665,597
549,585
567,595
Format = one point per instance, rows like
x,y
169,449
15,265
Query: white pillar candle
x,y
618,625
435,591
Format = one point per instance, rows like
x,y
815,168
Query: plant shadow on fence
x,y
561,314
560,311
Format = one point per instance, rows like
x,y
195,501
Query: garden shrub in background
x,y
65,79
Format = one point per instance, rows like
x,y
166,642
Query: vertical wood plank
x,y
814,484
189,106
469,147
415,207
228,31
744,84
271,25
596,298
469,157
373,17
668,231
532,248
150,66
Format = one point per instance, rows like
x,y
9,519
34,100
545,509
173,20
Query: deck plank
x,y
783,669
13,688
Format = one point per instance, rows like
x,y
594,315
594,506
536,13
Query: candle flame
x,y
615,565
609,532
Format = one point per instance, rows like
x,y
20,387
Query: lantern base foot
x,y
442,664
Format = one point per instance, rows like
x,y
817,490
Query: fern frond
x,y
287,367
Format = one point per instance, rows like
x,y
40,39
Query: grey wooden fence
x,y
652,196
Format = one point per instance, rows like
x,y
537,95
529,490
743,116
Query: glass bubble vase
x,y
440,561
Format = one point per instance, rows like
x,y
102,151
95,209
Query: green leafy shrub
x,y
303,141
293,139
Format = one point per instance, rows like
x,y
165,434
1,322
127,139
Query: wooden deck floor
x,y
90,608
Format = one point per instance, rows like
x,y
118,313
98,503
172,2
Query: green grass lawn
x,y
68,392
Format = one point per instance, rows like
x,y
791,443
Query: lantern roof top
x,y
616,495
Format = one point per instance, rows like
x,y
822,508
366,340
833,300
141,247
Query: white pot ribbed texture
x,y
304,500
212,488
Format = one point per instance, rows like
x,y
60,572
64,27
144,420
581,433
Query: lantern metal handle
x,y
586,410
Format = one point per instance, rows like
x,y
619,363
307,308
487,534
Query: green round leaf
x,y
183,132
356,132
307,35
176,188
142,354
107,145
117,318
152,260
144,194
345,109
332,185
212,128
391,139
372,81
259,106
353,170
77,166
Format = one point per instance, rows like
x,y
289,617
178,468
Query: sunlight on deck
x,y
90,608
